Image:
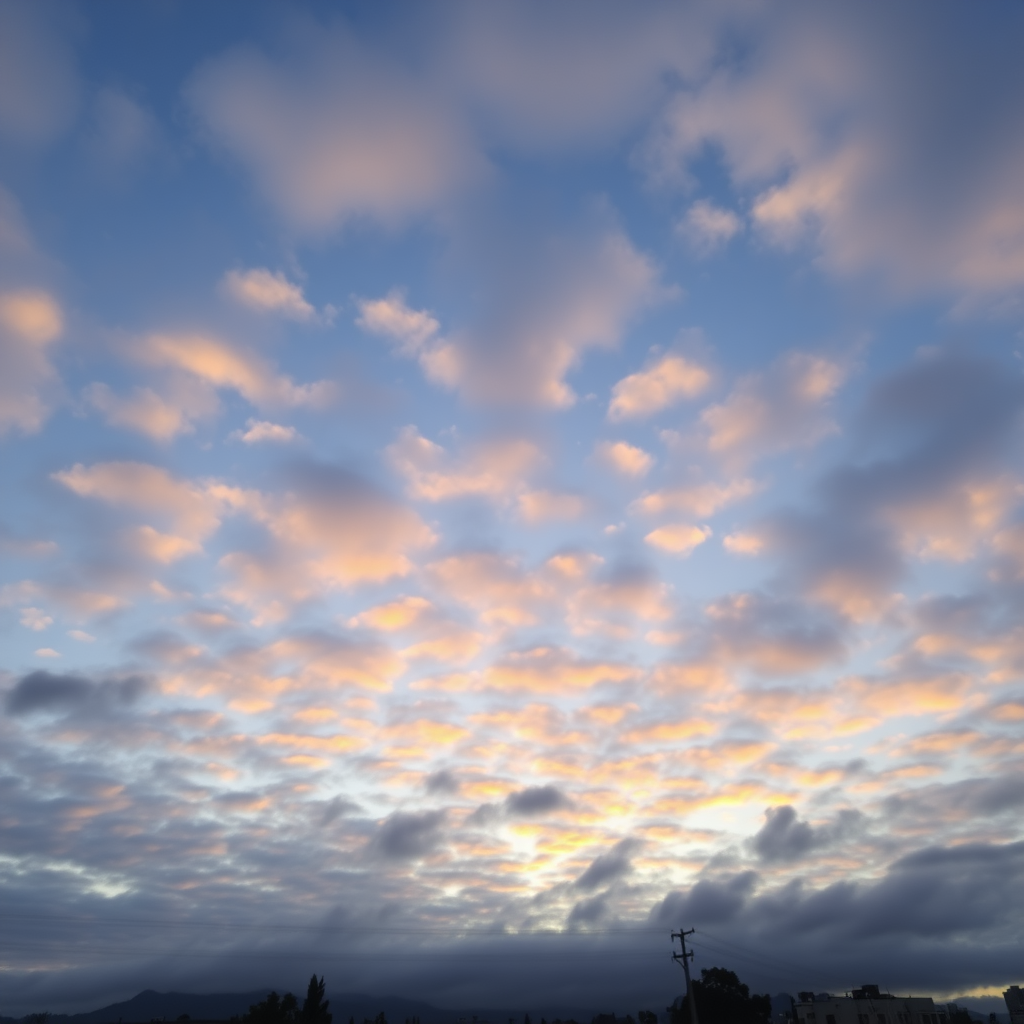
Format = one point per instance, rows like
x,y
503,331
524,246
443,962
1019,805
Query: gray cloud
x,y
608,866
588,911
406,835
945,421
707,902
783,837
535,800
442,781
49,691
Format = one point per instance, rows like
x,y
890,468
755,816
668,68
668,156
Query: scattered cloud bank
x,y
561,622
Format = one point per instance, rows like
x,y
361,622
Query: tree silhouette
x,y
722,998
273,1010
314,1008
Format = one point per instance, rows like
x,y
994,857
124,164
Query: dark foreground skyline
x,y
347,1006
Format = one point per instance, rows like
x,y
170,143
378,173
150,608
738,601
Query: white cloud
x,y
568,297
266,292
261,430
708,227
624,458
496,469
35,619
333,131
30,321
820,124
782,408
594,71
163,547
192,508
224,366
697,499
47,652
665,382
82,636
678,538
391,317
161,418
416,334
546,506
743,544
332,529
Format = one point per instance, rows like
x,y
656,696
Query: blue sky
x,y
510,474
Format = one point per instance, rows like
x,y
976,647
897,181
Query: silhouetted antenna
x,y
684,958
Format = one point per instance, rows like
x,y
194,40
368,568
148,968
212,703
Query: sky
x,y
487,485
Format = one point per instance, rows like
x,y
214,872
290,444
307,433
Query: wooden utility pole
x,y
684,958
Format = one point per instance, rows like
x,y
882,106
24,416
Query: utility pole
x,y
684,958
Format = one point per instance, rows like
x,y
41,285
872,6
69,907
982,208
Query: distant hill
x,y
169,1006
148,1005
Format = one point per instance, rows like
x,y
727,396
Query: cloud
x,y
783,837
191,508
223,366
535,800
624,458
770,412
708,227
678,538
495,585
612,603
495,469
743,544
665,382
708,901
152,414
266,292
259,431
35,619
407,835
608,866
124,131
553,670
819,124
331,130
39,88
948,417
555,300
697,499
30,321
330,527
163,547
774,636
591,78
442,781
46,691
546,506
391,317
